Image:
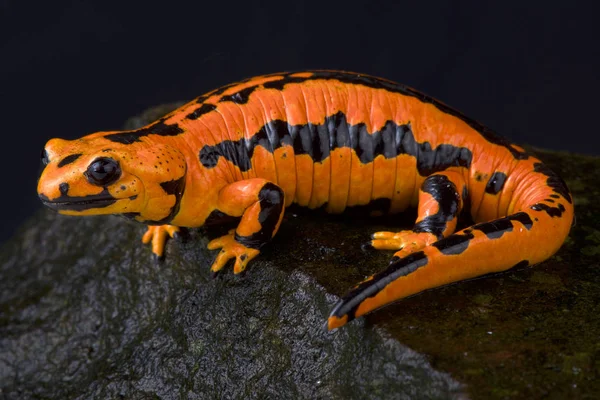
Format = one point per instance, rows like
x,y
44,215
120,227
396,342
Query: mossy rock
x,y
85,312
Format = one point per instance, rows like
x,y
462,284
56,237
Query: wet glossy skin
x,y
331,140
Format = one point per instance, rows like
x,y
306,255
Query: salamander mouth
x,y
79,205
62,203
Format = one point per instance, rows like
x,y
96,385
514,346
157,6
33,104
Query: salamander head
x,y
93,175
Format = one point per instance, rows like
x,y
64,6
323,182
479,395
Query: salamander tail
x,y
519,239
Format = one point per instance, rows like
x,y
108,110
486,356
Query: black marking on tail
x,y
554,181
454,244
498,227
551,211
398,267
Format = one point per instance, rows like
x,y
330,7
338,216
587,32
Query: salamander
x,y
323,140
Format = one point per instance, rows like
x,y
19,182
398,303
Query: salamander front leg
x,y
440,202
157,234
260,204
230,248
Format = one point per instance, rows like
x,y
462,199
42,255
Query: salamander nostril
x,y
44,157
64,188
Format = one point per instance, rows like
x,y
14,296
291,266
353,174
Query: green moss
x,y
545,278
591,251
577,364
483,299
197,347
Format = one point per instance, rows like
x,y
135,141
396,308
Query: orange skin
x,y
226,154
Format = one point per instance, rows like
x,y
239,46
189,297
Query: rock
x,y
86,313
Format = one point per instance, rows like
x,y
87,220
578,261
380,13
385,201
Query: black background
x,y
69,68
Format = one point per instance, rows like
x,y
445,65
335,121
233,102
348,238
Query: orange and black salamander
x,y
330,140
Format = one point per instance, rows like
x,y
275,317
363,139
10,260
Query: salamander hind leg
x,y
440,202
157,234
404,241
260,204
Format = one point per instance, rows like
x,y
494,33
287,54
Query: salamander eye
x,y
103,171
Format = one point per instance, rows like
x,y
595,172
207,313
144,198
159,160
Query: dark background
x,y
69,68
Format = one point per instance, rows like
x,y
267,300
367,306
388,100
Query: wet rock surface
x,y
86,313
